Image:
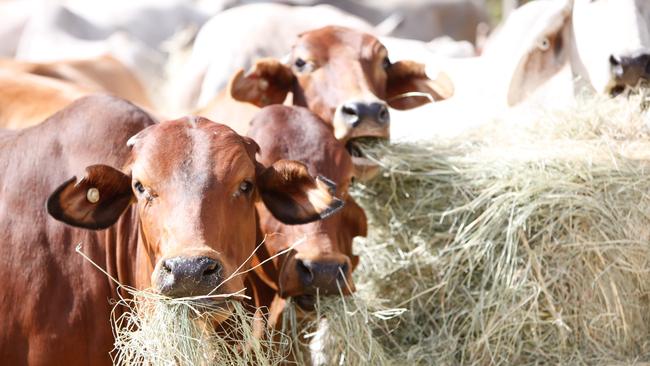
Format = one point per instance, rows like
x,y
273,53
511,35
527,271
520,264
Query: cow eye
x,y
302,65
544,44
386,63
139,187
245,187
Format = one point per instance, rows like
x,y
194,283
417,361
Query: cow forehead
x,y
328,42
191,147
296,133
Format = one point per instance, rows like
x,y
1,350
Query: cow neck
x,y
121,248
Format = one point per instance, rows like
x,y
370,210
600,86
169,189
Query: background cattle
x,y
535,61
342,75
423,20
28,99
99,74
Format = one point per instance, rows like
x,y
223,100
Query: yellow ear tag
x,y
92,195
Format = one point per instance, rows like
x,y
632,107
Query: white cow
x,y
545,53
14,15
134,33
612,43
422,20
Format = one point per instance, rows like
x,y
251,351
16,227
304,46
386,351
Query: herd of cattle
x,y
89,154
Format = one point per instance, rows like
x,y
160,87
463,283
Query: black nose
x,y
327,277
630,69
356,112
188,276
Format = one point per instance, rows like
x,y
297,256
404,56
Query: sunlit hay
x,y
151,329
531,247
619,119
343,330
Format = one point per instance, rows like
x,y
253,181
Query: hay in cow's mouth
x,y
213,329
156,330
356,146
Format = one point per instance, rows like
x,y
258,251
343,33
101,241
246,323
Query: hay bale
x,y
521,247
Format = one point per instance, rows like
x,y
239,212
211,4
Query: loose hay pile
x,y
525,247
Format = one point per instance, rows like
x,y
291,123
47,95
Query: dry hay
x,y
524,247
339,332
151,329
214,329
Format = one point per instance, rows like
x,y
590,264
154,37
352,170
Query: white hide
x,y
604,28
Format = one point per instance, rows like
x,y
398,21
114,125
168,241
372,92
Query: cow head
x,y
342,75
194,184
612,43
321,262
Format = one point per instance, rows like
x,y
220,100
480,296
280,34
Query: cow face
x,y
194,184
321,261
342,75
612,40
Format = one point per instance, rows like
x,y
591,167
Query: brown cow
x,y
99,74
179,216
26,99
322,260
342,75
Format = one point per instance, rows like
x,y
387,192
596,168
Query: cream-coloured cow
x,y
612,43
27,99
97,74
539,59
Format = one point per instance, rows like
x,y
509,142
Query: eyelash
x,y
142,191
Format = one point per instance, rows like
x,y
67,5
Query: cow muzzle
x,y
329,276
629,70
188,276
355,120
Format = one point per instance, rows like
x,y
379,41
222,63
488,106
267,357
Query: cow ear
x,y
268,82
405,77
293,196
95,201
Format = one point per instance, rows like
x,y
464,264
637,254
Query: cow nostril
x,y
211,269
351,114
304,271
614,61
383,116
617,90
349,110
167,266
